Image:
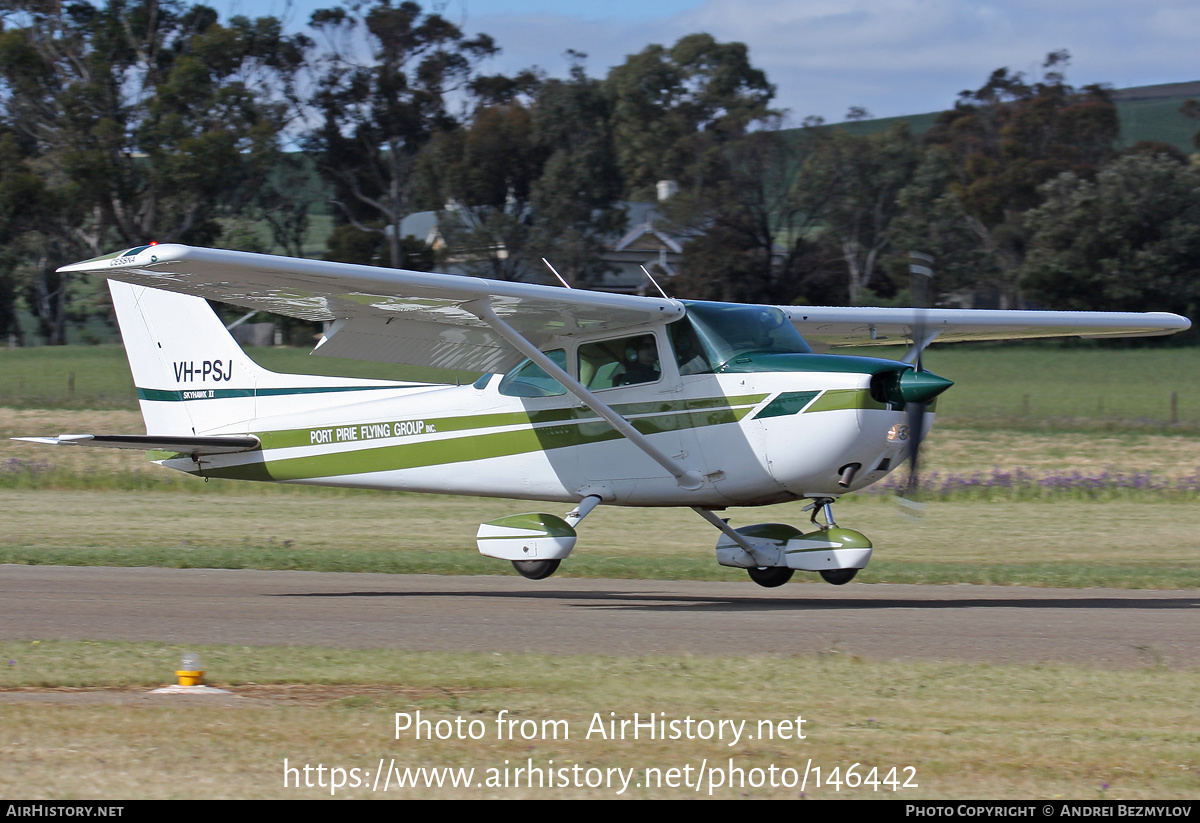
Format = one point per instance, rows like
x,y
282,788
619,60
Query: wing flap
x,y
465,348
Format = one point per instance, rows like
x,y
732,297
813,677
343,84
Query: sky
x,y
892,57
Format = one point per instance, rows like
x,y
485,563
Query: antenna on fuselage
x,y
655,282
556,274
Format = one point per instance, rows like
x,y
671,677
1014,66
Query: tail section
x,y
193,378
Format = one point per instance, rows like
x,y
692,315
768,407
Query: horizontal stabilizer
x,y
160,442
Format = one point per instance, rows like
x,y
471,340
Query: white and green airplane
x,y
588,398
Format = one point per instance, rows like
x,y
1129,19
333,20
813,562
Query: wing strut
x,y
686,478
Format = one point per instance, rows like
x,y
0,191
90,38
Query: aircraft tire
x,y
536,569
770,576
839,577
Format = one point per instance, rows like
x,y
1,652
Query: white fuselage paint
x,y
751,461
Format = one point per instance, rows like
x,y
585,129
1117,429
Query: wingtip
x,y
144,255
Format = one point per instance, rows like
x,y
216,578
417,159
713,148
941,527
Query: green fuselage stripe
x,y
541,431
464,449
202,393
700,409
839,399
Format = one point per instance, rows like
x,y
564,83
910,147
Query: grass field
x,y
1065,544
951,730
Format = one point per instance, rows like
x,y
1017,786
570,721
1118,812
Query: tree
x,y
531,175
576,197
25,205
141,120
379,113
481,177
851,184
698,114
150,113
285,200
748,231
672,106
931,219
1128,240
1008,138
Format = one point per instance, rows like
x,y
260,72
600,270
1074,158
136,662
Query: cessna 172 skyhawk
x,y
588,398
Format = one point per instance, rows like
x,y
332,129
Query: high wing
x,y
829,327
420,318
388,315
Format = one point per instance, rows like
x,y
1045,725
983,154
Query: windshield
x,y
726,330
530,380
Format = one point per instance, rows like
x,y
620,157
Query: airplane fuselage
x,y
755,438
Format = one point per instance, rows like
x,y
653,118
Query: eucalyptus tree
x,y
480,177
531,174
673,106
141,120
851,186
1009,137
383,93
576,198
698,113
1126,239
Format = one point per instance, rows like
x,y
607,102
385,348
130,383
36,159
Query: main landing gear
x,y
536,543
772,552
536,569
770,576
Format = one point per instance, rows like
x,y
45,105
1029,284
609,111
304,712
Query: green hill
x,y
1147,113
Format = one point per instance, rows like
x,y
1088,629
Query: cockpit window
x,y
530,380
690,355
724,331
621,362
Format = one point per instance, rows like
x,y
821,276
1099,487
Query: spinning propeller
x,y
921,271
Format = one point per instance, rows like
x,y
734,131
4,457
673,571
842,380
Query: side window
x,y
529,380
689,353
624,361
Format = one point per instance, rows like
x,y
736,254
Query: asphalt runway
x,y
1091,627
